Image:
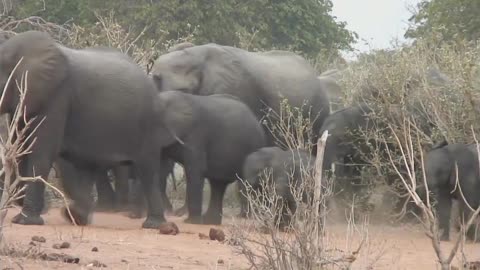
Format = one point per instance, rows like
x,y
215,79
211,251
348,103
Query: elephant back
x,y
42,59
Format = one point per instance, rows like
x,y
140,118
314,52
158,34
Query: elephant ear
x,y
176,116
223,70
47,67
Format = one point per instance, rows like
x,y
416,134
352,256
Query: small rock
x,y
203,236
32,243
169,228
61,246
220,261
60,257
94,249
96,263
217,234
124,261
39,239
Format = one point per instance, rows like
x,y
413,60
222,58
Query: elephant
x,y
329,80
348,148
288,167
259,79
441,164
98,110
210,136
345,143
120,198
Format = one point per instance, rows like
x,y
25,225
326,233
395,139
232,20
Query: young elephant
x,y
441,165
288,167
210,136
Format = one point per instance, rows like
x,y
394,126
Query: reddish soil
x,y
122,244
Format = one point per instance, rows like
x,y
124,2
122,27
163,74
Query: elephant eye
x,y
157,79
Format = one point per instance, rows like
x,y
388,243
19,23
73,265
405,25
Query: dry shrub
x,y
421,95
303,244
433,84
14,145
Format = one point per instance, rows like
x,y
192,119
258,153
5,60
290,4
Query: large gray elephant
x,y
442,166
99,112
260,79
349,147
210,136
288,168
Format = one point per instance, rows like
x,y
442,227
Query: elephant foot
x,y
28,219
212,219
153,222
181,211
81,219
194,220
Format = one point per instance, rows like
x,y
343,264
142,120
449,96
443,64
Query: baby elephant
x,y
441,165
288,167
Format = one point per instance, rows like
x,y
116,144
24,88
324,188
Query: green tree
x,y
453,19
305,26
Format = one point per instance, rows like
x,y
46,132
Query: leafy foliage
x,y
453,19
305,26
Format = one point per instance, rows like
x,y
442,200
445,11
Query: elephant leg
x,y
215,208
122,175
137,199
49,137
167,168
105,193
78,183
288,208
244,204
443,209
145,172
174,178
194,170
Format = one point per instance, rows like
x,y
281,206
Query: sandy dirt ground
x,y
122,244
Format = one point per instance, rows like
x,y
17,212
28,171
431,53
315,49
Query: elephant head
x,y
176,117
178,70
199,70
45,63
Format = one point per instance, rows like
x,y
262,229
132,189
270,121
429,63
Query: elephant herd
x,y
202,106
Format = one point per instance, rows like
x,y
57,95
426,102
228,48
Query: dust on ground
x,y
121,244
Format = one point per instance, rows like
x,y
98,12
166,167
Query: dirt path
x,y
123,245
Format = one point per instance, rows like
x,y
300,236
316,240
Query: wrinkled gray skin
x,y
99,110
259,79
346,146
286,168
343,141
210,136
441,180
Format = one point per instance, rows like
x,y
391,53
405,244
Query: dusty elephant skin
x,y
211,137
442,178
99,112
124,196
259,79
347,148
288,168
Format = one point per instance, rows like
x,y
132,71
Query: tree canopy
x,y
453,19
305,26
